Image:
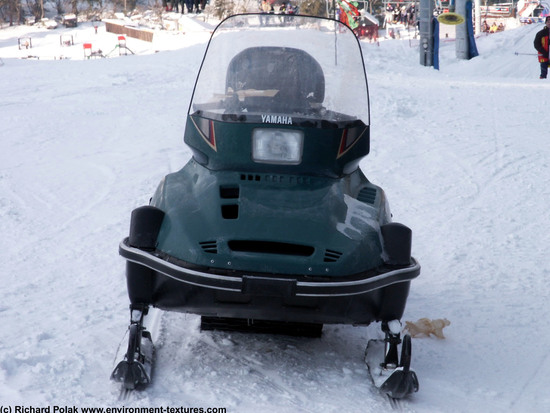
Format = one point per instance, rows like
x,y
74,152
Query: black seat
x,y
294,74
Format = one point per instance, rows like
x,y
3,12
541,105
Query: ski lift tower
x,y
461,33
426,32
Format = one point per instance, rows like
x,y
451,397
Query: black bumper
x,y
360,299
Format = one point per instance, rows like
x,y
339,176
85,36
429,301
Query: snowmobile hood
x,y
273,224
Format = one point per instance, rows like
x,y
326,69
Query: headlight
x,y
277,146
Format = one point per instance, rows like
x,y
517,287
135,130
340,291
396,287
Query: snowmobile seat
x,y
276,79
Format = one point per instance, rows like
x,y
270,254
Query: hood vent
x,y
277,179
367,195
271,247
332,256
209,246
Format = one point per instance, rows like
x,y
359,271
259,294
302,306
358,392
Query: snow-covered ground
x,y
462,153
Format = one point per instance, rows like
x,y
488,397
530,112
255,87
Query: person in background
x,y
189,5
541,44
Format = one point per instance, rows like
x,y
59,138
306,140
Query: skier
x,y
541,44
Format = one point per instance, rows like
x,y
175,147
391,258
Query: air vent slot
x,y
230,211
250,177
367,195
270,247
209,246
276,179
229,192
332,256
288,179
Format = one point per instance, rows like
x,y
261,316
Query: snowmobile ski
x,y
392,376
134,371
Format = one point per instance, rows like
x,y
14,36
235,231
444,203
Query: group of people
x,y
485,28
193,6
405,14
279,8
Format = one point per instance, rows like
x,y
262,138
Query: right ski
x,y
392,376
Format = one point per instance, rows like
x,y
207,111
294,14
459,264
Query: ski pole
x,y
526,54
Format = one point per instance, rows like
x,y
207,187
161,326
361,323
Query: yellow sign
x,y
450,18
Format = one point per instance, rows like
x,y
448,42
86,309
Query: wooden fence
x,y
141,34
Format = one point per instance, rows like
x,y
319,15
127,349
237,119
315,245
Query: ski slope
x,y
462,154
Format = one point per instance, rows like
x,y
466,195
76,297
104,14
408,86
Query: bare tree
x,y
74,7
11,11
36,9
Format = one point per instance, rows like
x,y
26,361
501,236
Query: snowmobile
x,y
271,223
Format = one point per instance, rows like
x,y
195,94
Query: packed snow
x,y
462,154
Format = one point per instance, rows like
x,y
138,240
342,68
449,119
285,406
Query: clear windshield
x,y
283,65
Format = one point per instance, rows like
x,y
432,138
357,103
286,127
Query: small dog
x,y
426,327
